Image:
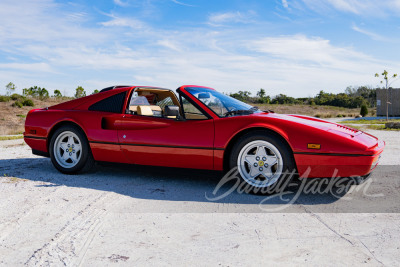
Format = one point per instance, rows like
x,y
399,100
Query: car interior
x,y
161,103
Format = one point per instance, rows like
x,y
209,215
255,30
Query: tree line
x,y
43,93
350,98
36,92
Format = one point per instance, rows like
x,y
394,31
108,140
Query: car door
x,y
167,142
171,142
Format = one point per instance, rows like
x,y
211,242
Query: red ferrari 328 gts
x,y
199,128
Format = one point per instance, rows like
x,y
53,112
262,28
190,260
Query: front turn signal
x,y
314,146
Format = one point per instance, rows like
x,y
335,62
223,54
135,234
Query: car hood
x,y
326,126
316,123
334,128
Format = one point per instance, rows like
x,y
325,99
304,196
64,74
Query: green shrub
x,y
28,102
4,98
17,97
17,104
364,110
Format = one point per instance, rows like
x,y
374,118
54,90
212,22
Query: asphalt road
x,y
132,215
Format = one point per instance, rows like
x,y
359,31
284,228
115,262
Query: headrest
x,y
144,110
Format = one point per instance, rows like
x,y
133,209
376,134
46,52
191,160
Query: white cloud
x,y
300,48
372,35
285,4
120,3
40,21
32,67
360,7
124,22
77,16
169,44
217,19
182,4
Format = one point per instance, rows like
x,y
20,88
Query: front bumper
x,y
323,165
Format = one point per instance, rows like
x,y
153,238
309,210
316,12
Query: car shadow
x,y
157,183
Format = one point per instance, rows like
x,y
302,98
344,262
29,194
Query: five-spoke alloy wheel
x,y
69,150
262,160
260,163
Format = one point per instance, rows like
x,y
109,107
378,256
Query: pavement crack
x,y
258,235
372,254
326,225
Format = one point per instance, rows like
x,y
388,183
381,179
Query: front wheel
x,y
70,151
264,162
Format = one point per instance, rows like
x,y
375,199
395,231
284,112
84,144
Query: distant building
x,y
393,98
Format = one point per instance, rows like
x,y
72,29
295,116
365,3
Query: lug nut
x,y
260,169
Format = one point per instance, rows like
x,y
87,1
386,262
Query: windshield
x,y
222,105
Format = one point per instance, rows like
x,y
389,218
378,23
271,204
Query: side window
x,y
191,112
112,104
165,102
139,100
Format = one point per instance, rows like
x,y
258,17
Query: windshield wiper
x,y
239,112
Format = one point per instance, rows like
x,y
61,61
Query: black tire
x,y
288,169
361,179
85,162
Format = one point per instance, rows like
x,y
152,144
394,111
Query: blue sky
x,y
295,47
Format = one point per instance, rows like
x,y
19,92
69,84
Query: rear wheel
x,y
265,163
70,151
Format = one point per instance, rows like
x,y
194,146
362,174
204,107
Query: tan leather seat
x,y
153,107
144,111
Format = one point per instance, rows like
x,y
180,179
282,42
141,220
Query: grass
x,y
312,110
381,127
370,124
12,119
372,127
2,138
383,121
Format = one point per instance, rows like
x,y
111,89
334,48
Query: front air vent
x,y
346,128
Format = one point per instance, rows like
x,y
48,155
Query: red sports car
x,y
197,128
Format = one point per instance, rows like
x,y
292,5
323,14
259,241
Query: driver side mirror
x,y
171,112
